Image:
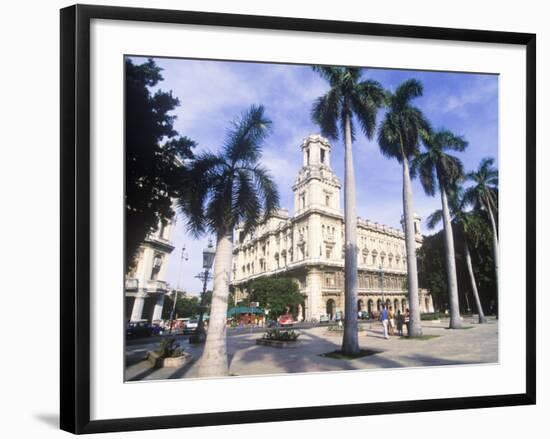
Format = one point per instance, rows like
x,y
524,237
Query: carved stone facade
x,y
309,246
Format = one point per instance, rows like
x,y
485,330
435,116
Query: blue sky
x,y
212,93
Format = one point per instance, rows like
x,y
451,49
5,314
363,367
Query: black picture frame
x,y
75,217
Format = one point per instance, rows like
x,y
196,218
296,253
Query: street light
x,y
208,255
182,258
381,275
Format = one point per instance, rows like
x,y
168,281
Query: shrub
x,y
281,335
168,348
336,328
430,316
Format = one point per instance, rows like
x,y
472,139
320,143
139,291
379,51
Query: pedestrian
x,y
400,321
408,321
384,319
391,321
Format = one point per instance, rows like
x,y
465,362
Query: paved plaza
x,y
474,344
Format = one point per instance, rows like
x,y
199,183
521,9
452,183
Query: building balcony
x,y
157,286
131,284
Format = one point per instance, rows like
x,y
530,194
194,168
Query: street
x,y
474,344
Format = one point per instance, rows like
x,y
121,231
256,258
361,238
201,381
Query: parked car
x,y
191,326
139,328
286,320
324,319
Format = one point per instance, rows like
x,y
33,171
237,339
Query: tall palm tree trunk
x,y
482,318
415,329
213,361
495,242
350,343
452,283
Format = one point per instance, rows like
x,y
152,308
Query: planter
x,y
157,361
277,343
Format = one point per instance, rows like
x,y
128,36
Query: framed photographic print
x,y
274,218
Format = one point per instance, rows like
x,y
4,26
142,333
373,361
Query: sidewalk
x,y
479,344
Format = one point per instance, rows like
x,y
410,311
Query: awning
x,y
245,310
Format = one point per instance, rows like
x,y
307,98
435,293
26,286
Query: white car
x,y
191,326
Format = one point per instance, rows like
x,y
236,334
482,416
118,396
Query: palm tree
x,y
484,195
399,137
439,170
470,230
348,95
225,190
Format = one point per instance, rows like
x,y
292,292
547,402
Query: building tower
x,y
316,206
316,186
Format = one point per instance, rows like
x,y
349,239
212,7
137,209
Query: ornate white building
x,y
145,283
309,246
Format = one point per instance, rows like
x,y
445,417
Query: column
x,y
422,301
137,309
430,303
314,308
159,304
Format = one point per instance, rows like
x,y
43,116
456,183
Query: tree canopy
x,y
348,95
279,295
233,187
436,167
186,306
431,267
404,125
155,154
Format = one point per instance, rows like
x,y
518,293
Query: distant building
x,y
145,283
309,246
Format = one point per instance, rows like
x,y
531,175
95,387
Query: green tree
x,y
483,195
470,229
431,268
439,170
225,190
349,95
186,306
279,295
399,138
155,154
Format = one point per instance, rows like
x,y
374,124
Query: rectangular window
x,y
330,280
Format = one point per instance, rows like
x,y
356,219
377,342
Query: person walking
x,y
384,319
400,321
391,321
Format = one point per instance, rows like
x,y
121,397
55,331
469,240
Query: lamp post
x,y
182,258
207,261
381,275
